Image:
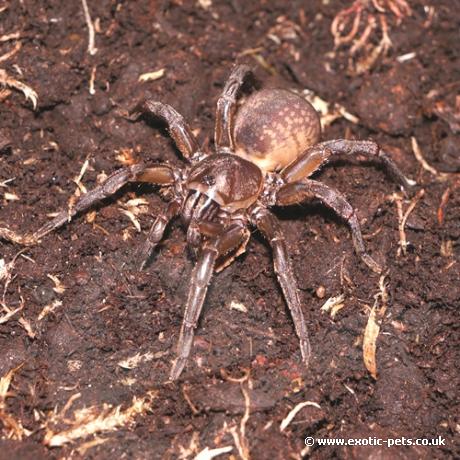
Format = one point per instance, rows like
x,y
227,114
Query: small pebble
x,y
320,292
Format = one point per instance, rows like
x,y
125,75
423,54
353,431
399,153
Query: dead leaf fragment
x,y
333,305
373,327
205,4
11,196
3,269
152,76
12,427
209,454
5,382
133,361
5,318
126,156
235,305
132,218
88,445
59,288
328,111
369,343
50,308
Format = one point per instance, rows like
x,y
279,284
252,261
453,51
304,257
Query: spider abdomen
x,y
274,127
233,182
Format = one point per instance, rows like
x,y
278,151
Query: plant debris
x,y
88,421
11,82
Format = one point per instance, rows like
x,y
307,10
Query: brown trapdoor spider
x,y
265,152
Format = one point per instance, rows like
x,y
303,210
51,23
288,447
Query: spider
x,y
265,151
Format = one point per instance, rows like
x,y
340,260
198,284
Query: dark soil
x,y
110,311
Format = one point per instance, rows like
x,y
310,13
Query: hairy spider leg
x,y
177,126
309,189
221,245
161,174
226,107
269,226
204,210
319,154
157,230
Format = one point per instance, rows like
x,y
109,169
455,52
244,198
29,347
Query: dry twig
x,y
11,53
28,92
418,155
91,33
403,216
239,433
445,200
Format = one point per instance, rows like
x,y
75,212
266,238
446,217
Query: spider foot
x,y
305,350
184,348
177,368
371,263
144,260
144,255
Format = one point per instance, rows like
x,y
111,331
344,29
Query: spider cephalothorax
x,y
265,152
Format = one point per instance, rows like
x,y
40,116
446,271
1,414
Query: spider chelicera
x,y
265,151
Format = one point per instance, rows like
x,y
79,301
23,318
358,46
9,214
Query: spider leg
x,y
269,226
161,174
201,276
177,126
299,191
157,230
226,107
319,154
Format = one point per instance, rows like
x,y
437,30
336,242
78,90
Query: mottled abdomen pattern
x,y
273,127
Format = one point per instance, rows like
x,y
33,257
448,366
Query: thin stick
x,y
418,155
92,90
12,36
240,440
288,419
11,53
402,235
189,401
91,34
403,219
412,205
444,199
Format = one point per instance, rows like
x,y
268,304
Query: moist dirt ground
x,y
85,359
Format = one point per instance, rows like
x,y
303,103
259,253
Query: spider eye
x,y
209,180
